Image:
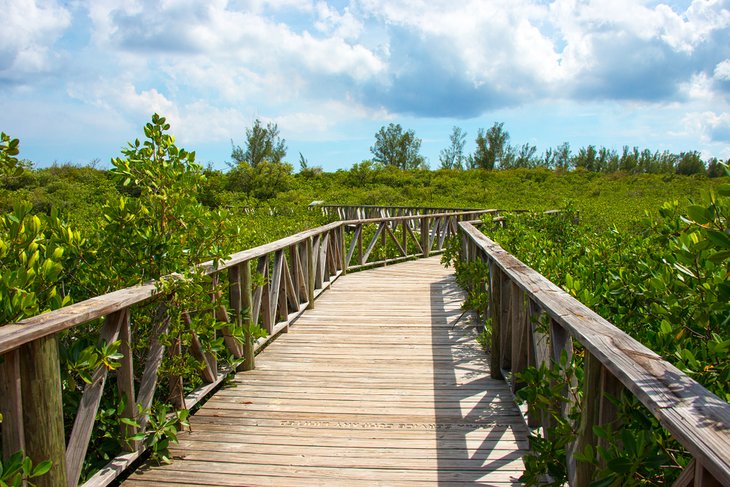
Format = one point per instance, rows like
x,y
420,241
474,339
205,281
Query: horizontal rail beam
x,y
697,418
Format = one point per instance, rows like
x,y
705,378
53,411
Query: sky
x,y
79,79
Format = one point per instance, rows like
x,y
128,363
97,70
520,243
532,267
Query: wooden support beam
x,y
174,381
11,404
341,262
247,301
236,298
148,384
505,323
43,415
125,383
310,251
353,245
495,296
78,442
520,334
373,242
425,240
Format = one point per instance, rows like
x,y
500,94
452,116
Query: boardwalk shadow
x,y
478,427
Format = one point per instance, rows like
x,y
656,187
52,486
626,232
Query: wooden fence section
x,y
614,364
376,386
293,272
362,212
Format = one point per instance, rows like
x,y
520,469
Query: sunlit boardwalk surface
x,y
376,386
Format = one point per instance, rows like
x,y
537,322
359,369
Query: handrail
x,y
361,212
296,270
698,419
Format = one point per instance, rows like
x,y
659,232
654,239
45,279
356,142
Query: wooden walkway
x,y
376,386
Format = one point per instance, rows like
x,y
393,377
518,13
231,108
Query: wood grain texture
x,y
698,419
376,386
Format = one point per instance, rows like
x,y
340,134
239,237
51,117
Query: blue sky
x,y
78,79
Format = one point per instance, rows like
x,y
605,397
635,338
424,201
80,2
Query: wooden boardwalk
x,y
376,386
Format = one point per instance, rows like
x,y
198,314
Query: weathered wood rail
x,y
361,212
295,270
614,362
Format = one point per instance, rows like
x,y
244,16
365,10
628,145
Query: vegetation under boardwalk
x,y
378,385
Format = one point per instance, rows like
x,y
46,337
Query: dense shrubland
x,y
71,232
662,279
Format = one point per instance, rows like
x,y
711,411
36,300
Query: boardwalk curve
x,y
376,386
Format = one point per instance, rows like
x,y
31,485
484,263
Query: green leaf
x,y
604,482
699,214
720,239
723,190
42,468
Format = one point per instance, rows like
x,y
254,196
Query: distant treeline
x,y
494,151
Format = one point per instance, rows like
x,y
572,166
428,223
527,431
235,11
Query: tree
x,y
526,156
690,163
259,170
394,147
585,158
492,147
715,168
453,156
263,144
562,156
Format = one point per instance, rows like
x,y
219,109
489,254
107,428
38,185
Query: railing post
x,y
520,334
311,272
425,234
249,362
43,415
343,249
495,295
404,224
505,322
175,381
360,256
125,382
600,388
11,404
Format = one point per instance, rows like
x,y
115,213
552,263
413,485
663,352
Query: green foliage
x,y
666,284
162,429
17,470
37,255
545,392
9,164
394,147
157,211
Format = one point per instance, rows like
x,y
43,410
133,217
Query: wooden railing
x,y
362,212
294,271
519,299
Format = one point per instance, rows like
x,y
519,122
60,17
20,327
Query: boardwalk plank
x,y
378,385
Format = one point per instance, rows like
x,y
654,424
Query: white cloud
x,y
29,31
722,70
709,126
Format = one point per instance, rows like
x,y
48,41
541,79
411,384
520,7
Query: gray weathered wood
x,y
11,404
311,272
667,392
125,382
247,296
148,384
78,442
520,332
43,415
495,296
